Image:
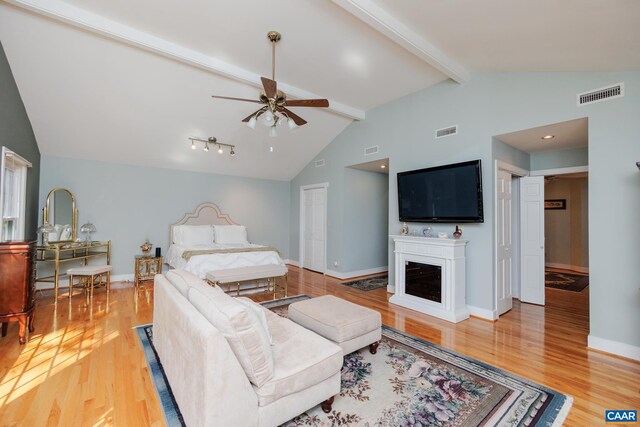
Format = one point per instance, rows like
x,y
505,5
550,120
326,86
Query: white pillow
x,y
183,280
242,329
259,311
192,235
231,233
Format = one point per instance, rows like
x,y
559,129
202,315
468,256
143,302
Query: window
x,y
13,189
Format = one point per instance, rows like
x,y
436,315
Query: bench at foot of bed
x,y
265,278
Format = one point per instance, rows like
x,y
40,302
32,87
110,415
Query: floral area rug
x,y
411,383
369,284
566,281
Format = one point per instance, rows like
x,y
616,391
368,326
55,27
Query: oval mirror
x,y
60,211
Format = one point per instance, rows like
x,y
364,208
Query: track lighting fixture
x,y
213,141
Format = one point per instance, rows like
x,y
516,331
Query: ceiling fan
x,y
275,111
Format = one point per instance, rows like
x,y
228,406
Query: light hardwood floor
x,y
84,366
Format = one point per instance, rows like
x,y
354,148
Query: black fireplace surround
x,y
423,280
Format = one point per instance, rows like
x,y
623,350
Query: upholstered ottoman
x,y
349,325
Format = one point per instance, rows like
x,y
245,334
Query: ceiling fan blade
x,y
307,103
237,99
246,119
270,87
296,119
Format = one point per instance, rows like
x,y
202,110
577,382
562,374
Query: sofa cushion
x,y
183,280
241,327
301,357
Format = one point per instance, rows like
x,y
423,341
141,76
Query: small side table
x,y
147,266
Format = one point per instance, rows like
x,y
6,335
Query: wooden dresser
x,y
17,286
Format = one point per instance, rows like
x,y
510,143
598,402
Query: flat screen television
x,y
449,193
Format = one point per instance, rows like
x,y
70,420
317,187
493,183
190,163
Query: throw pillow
x,y
242,329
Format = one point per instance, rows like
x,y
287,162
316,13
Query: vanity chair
x,y
90,276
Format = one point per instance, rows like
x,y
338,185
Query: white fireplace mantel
x,y
449,254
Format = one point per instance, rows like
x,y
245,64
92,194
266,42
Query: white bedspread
x,y
200,265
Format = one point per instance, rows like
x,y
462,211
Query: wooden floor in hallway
x,y
84,366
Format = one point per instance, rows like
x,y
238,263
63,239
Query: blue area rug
x,y
409,382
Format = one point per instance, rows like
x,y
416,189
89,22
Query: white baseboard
x,y
482,313
358,273
567,267
292,262
122,277
614,347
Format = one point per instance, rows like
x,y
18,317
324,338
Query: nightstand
x,y
147,266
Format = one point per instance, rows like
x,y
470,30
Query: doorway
x,y
567,234
519,250
313,227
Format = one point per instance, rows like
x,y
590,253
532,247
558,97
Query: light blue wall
x,y
508,154
366,192
129,204
560,159
493,104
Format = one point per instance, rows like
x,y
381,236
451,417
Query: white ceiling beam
x,y
372,14
94,23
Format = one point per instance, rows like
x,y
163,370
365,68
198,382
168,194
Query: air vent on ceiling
x,y
615,91
319,163
371,150
448,131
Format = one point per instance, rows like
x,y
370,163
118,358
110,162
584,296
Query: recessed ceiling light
x,y
548,137
383,166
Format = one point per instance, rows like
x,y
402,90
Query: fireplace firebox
x,y
423,280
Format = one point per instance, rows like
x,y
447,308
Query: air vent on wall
x,y
615,91
371,150
319,163
448,131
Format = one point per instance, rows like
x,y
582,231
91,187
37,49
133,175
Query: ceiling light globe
x,y
267,118
251,124
272,131
292,125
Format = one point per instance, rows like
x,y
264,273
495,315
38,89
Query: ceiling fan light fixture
x,y
272,131
268,118
292,125
251,124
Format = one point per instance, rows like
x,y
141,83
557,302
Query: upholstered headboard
x,y
204,214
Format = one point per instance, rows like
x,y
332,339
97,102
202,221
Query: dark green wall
x,y
17,135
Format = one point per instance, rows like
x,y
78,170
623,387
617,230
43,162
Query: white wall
x,y
493,104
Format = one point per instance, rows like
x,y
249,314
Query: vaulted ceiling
x,y
129,81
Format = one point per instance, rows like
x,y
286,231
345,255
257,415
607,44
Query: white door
x,y
532,239
314,203
504,242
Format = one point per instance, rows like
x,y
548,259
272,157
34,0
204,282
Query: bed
x,y
207,240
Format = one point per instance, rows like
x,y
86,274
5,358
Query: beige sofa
x,y
253,368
